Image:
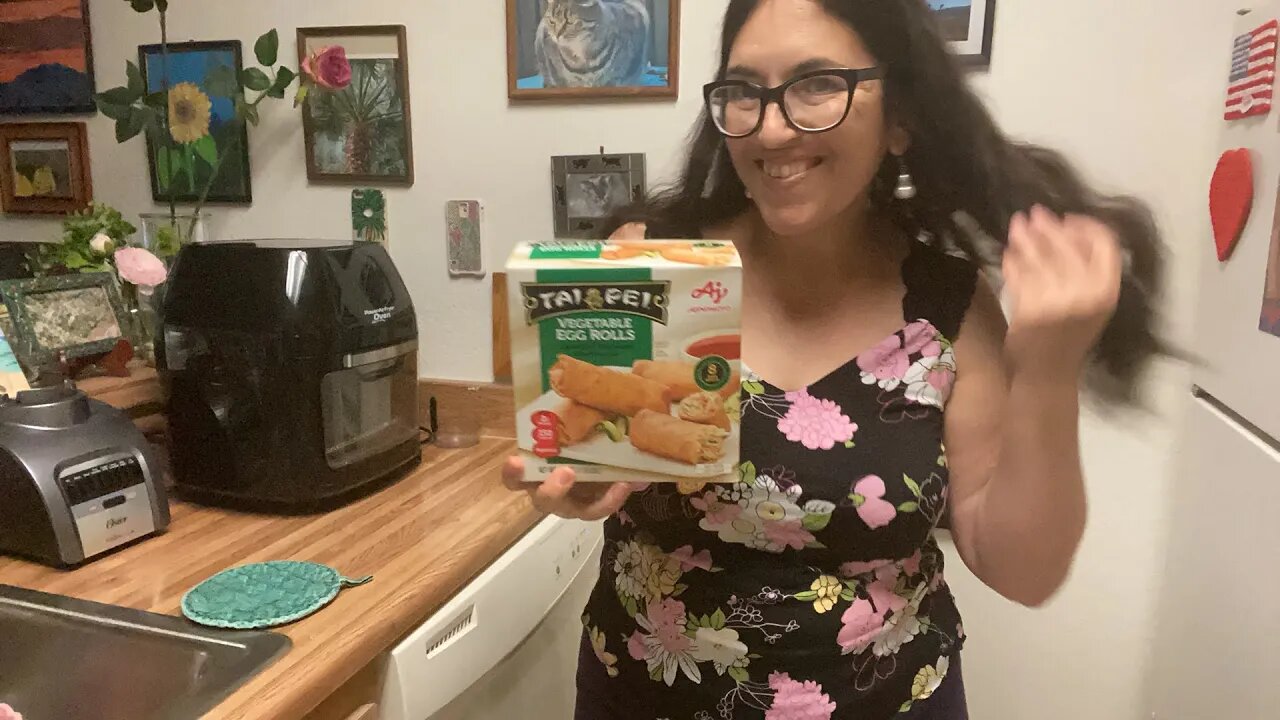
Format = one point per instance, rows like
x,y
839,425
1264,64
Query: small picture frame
x,y
587,189
182,170
967,27
632,48
362,134
78,315
44,168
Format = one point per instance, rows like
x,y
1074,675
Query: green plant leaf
x,y
739,674
254,79
162,5
807,596
251,114
115,112
814,522
747,472
74,260
207,149
142,5
718,620
130,125
119,96
284,78
157,101
912,485
847,594
221,80
164,168
267,48
908,507
136,84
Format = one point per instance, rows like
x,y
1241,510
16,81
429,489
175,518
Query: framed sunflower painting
x,y
203,133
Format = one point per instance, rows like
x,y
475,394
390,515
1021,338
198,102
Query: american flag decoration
x,y
1253,73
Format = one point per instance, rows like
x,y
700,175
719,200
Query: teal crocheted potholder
x,y
264,595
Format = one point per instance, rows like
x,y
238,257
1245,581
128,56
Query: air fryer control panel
x,y
109,500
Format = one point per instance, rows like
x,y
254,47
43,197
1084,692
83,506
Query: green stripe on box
x,y
566,251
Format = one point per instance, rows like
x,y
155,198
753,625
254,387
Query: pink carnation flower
x,y
814,423
139,267
798,700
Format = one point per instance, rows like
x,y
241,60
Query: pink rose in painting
x,y
328,67
860,625
689,560
719,514
635,646
794,700
814,423
789,533
871,506
139,267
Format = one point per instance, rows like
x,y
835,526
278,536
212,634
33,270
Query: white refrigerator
x,y
1216,653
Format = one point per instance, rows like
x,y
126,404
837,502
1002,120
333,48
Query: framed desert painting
x,y
46,57
361,134
44,168
558,49
967,26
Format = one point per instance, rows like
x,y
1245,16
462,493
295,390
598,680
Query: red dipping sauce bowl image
x,y
723,343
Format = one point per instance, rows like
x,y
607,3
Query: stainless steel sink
x,y
70,659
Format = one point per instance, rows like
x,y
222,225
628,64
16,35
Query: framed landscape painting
x,y
203,125
967,26
46,57
361,134
44,168
566,49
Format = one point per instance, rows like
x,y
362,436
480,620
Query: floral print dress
x,y
813,588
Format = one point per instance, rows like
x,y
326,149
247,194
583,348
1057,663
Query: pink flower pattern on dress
x,y
718,512
873,510
8,713
689,560
886,363
794,700
788,534
814,423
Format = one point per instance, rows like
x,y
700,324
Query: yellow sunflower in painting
x,y
188,113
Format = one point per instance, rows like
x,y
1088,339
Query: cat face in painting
x,y
802,181
570,18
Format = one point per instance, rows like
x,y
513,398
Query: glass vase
x,y
164,236
140,303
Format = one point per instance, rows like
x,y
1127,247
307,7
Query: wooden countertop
x,y
422,539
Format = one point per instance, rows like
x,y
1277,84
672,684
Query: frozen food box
x,y
625,359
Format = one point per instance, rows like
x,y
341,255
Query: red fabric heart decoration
x,y
1231,199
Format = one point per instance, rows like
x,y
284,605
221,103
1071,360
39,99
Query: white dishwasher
x,y
507,644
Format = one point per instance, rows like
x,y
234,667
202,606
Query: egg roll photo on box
x,y
612,368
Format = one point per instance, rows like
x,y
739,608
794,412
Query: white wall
x,y
1129,89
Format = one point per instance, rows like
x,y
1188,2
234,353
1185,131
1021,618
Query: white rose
x,y
102,243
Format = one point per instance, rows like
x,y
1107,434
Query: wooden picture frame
x,y
521,55
968,27
190,62
53,46
35,177
387,162
37,332
587,189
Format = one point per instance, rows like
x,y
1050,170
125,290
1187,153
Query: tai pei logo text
x,y
643,299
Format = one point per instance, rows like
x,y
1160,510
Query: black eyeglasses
x,y
812,102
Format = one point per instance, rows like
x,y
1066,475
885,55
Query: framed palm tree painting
x,y
361,133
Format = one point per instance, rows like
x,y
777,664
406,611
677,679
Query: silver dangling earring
x,y
906,189
749,196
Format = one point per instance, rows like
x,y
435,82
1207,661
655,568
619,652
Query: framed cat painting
x,y
571,49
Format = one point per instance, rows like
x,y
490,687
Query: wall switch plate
x,y
464,221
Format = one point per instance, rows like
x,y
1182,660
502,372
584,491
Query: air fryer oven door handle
x,y
390,352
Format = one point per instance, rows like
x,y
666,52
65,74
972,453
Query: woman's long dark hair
x,y
970,177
